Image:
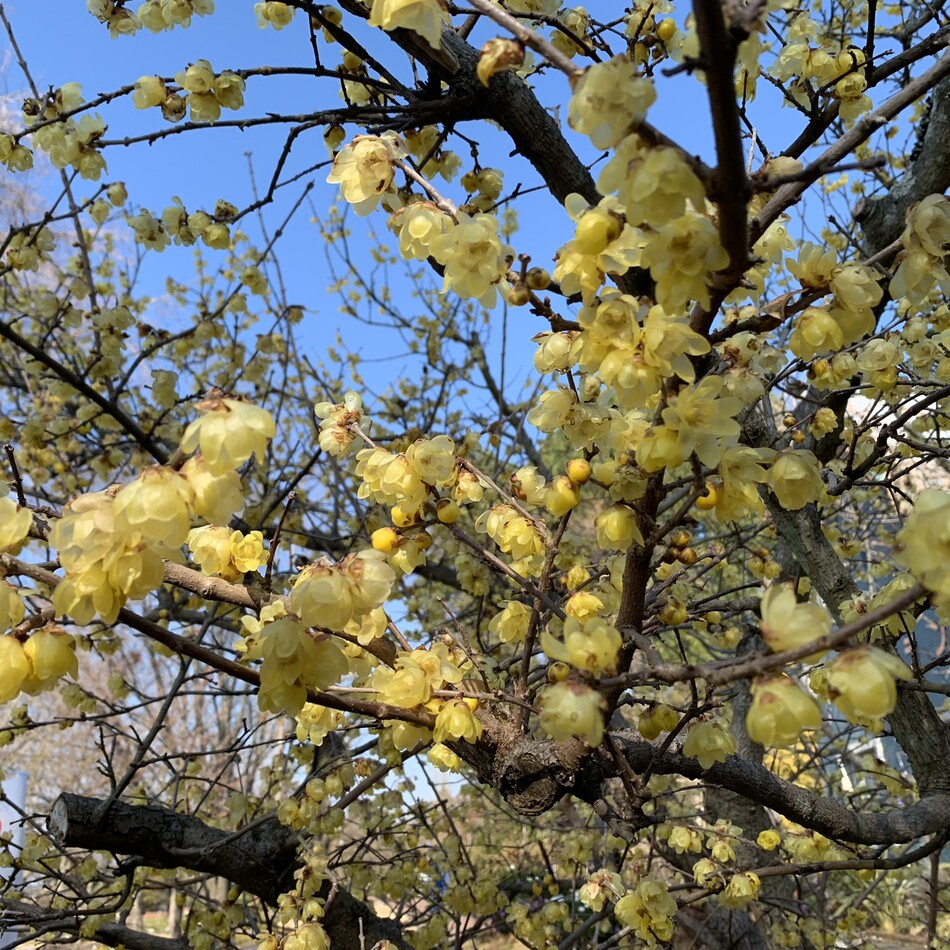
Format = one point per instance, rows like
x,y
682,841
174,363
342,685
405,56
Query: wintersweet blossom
x,y
228,433
474,257
779,711
861,682
787,624
15,523
425,17
609,98
364,169
709,742
923,544
569,709
592,645
795,478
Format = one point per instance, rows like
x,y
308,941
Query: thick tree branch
x,y
262,860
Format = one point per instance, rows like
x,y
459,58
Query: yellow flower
x,y
292,660
364,169
860,682
617,528
14,668
511,624
741,890
443,758
149,91
229,90
418,225
216,497
609,98
229,433
15,523
474,258
700,419
512,532
787,624
923,544
456,720
709,742
425,17
12,607
648,911
210,546
157,504
561,496
769,839
51,654
681,255
247,551
197,78
591,645
276,14
601,886
654,184
795,478
816,333
780,710
741,469
321,597
569,709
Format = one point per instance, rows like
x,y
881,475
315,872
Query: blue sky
x,y
62,42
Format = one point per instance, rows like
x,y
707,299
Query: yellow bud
x,y
688,556
673,613
402,518
680,539
519,295
423,540
708,501
595,230
385,540
647,726
579,471
447,511
558,672
538,278
666,29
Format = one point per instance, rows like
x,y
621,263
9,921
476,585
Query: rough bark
x,y
261,861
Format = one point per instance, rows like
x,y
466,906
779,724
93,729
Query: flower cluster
x,y
206,93
609,99
68,142
405,479
228,433
293,659
330,596
105,565
515,535
648,910
37,664
603,244
364,169
926,240
416,676
474,258
221,551
336,420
